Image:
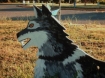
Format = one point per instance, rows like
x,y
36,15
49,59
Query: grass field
x,y
18,63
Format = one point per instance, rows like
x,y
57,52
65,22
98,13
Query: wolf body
x,y
58,56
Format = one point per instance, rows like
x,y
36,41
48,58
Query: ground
x,y
18,63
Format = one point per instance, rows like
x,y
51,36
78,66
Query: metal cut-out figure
x,y
58,56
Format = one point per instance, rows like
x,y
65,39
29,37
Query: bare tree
x,y
85,2
69,1
8,1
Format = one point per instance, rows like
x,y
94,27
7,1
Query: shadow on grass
x,y
17,9
81,18
86,16
23,18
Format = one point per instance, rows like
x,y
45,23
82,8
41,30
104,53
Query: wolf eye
x,y
31,25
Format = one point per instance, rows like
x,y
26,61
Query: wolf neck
x,y
56,51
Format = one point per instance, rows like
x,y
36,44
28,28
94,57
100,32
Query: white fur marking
x,y
38,38
79,70
77,54
39,69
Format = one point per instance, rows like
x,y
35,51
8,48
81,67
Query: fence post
x,y
74,3
98,3
23,1
85,2
28,2
33,1
59,10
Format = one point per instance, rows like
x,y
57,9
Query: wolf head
x,y
45,32
37,29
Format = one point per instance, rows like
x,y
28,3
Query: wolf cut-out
x,y
58,56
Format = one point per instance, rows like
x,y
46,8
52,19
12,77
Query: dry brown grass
x,y
18,63
89,37
14,61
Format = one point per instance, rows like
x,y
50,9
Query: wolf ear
x,y
54,12
37,12
46,11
